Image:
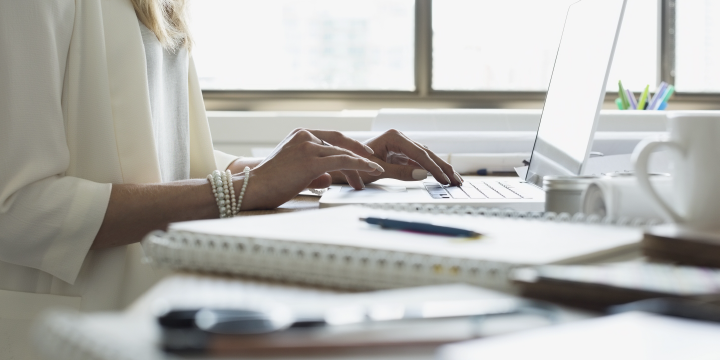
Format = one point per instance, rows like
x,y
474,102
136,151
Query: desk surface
x,y
298,203
135,328
190,290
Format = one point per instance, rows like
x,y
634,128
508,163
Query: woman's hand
x,y
303,159
403,159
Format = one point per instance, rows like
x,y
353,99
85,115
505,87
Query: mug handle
x,y
641,157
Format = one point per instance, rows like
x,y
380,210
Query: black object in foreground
x,y
274,329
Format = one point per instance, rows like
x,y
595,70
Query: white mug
x,y
694,138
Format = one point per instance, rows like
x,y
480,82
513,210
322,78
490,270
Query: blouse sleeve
x,y
48,220
223,160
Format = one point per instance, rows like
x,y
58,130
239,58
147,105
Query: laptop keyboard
x,y
478,190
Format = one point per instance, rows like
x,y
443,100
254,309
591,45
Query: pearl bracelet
x,y
224,191
246,171
221,191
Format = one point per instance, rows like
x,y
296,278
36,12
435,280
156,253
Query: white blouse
x,y
168,89
75,118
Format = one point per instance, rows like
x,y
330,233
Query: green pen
x,y
623,96
619,103
643,98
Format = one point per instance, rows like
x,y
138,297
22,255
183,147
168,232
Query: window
x,y
697,63
304,45
419,51
510,45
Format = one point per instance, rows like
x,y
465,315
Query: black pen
x,y
424,228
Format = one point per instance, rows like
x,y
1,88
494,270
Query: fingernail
x,y
419,174
368,149
447,179
362,183
376,166
458,178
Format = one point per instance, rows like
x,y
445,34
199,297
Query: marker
x,y
619,104
643,98
424,228
623,96
668,93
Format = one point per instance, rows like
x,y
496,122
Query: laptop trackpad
x,y
374,189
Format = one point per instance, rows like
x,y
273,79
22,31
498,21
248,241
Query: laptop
x,y
565,134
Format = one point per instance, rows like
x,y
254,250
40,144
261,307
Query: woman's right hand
x,y
300,161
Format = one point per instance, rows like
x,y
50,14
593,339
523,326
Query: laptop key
x,y
503,191
437,191
473,192
518,188
456,192
487,191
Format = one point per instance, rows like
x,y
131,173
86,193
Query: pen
x,y
643,98
666,97
619,104
420,227
631,98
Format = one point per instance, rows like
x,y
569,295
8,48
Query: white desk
x,y
133,334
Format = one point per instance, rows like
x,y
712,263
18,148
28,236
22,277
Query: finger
x,y
353,179
413,163
347,162
424,158
338,139
446,168
362,163
404,172
325,151
444,165
303,135
321,182
397,158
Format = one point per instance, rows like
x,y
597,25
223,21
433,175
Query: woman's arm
x,y
300,161
137,209
238,165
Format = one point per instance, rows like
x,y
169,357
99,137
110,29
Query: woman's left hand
x,y
401,157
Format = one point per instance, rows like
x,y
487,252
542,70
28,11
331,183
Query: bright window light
x,y
304,45
697,46
510,45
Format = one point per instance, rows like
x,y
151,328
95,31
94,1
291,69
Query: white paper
x,y
507,240
623,197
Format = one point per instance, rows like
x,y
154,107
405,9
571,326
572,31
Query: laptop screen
x,y
577,89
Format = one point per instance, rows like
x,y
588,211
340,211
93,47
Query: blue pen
x,y
420,227
631,98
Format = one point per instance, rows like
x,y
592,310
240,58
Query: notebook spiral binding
x,y
345,267
509,213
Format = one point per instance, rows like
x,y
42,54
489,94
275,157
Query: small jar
x,y
563,194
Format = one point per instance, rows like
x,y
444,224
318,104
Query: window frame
x,y
424,96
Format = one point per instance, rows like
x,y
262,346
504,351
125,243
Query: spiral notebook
x,y
332,248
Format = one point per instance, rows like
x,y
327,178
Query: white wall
x,y
238,132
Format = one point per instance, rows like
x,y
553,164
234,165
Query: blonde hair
x,y
168,19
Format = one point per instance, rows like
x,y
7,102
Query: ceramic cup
x,y
694,140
